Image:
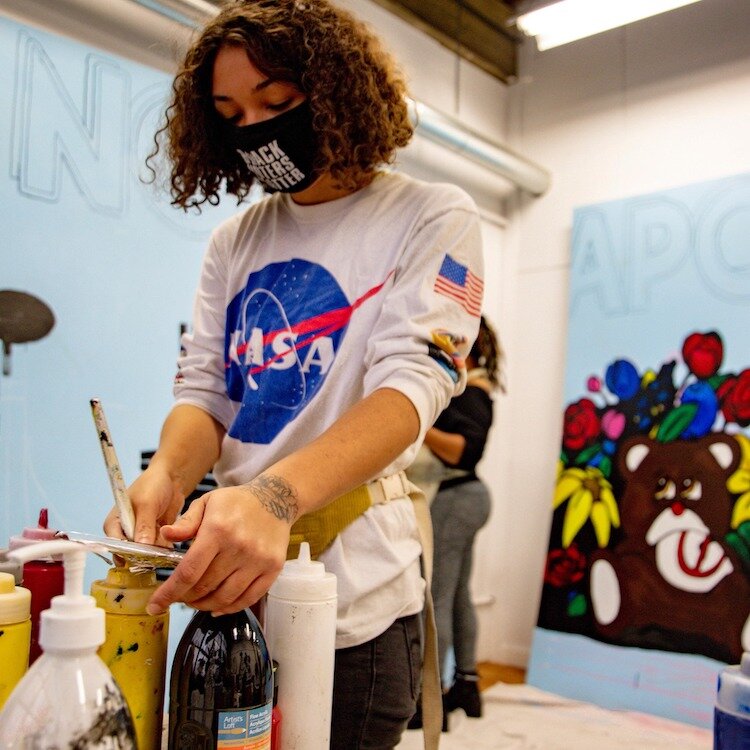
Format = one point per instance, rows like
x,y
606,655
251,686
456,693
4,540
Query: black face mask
x,y
280,151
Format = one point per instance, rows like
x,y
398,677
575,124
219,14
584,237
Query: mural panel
x,y
649,548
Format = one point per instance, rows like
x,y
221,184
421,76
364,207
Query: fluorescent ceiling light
x,y
565,21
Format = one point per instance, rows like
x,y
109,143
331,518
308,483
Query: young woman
x,y
460,508
318,354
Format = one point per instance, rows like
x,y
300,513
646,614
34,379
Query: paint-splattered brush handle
x,y
119,490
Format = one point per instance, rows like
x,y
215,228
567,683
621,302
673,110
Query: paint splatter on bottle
x,y
135,649
68,700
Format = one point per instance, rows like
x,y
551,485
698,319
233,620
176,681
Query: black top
x,y
470,415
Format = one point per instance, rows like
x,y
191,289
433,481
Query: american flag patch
x,y
459,283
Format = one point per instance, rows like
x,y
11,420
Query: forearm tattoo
x,y
276,495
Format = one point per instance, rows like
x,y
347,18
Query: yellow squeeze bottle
x,y
15,633
135,649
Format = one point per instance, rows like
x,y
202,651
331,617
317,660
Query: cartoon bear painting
x,y
672,581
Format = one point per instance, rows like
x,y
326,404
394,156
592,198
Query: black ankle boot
x,y
416,721
464,693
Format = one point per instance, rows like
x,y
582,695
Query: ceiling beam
x,y
479,31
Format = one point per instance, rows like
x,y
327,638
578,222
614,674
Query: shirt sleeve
x,y
430,293
200,368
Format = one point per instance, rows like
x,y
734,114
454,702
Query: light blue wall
x,y
116,263
649,270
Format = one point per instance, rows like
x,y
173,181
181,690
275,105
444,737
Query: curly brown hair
x,y
487,352
356,94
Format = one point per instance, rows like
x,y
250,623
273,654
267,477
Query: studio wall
x,y
653,106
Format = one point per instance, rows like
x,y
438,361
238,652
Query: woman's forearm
x,y
448,446
189,445
366,439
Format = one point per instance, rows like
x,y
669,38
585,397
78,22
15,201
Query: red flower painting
x,y
703,353
581,424
565,566
734,398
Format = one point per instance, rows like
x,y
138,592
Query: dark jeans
x,y
375,688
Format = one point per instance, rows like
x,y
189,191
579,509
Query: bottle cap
x,y
10,566
15,601
123,592
33,534
304,579
73,622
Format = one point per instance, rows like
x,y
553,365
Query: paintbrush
x,y
120,492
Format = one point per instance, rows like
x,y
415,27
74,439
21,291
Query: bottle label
x,y
245,728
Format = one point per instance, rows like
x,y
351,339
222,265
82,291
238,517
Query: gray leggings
x,y
457,515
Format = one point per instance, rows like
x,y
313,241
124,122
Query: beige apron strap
x,y
322,526
432,691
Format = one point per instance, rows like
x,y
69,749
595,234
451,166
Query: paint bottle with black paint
x,y
135,648
68,698
732,711
221,686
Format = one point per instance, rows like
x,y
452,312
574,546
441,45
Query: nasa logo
x,y
283,331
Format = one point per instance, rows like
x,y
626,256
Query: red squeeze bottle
x,y
44,578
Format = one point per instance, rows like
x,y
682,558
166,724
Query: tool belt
x,y
321,527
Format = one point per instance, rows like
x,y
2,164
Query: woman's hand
x,y
189,446
156,499
240,536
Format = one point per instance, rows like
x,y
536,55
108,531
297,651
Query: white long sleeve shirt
x,y
302,311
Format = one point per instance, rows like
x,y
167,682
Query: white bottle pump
x,y
73,621
68,698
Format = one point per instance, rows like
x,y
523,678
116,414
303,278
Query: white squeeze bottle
x,y
301,634
68,698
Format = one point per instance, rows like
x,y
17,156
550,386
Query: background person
x,y
460,508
